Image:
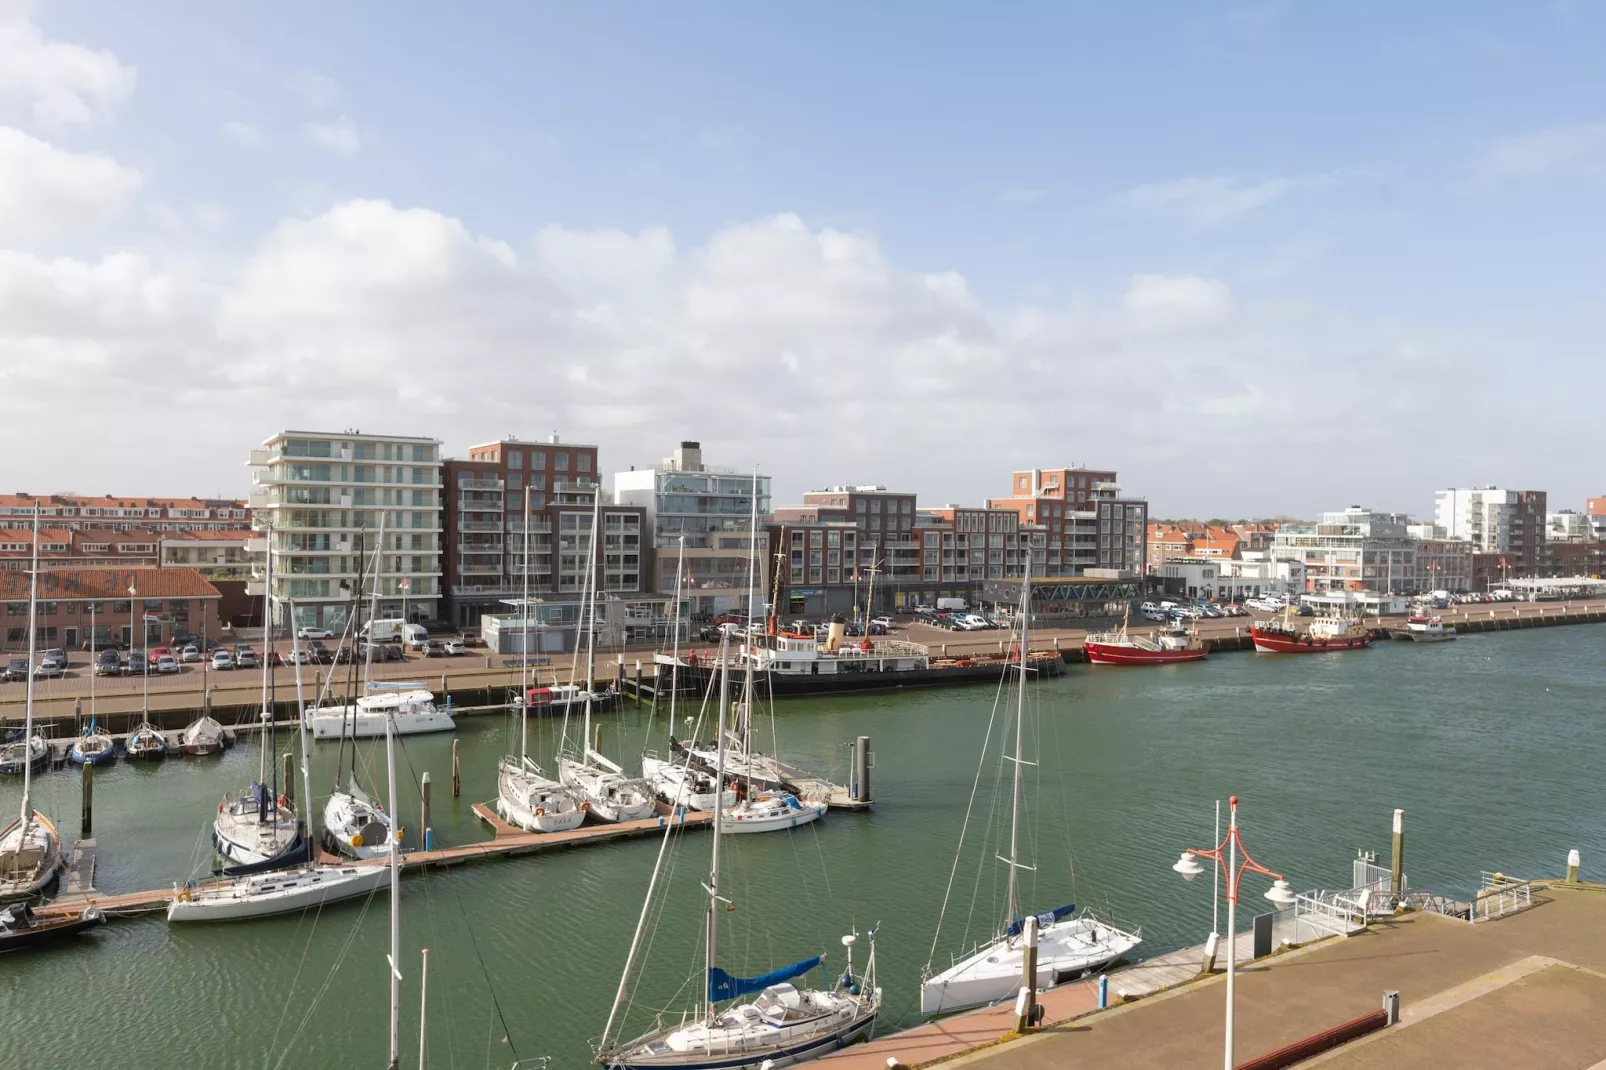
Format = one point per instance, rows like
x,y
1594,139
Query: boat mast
x,y
591,632
753,583
301,736
395,885
33,638
674,663
524,643
719,788
351,672
1020,716
267,715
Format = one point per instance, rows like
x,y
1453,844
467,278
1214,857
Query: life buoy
x,y
585,807
282,804
540,811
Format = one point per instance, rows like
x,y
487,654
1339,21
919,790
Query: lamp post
x,y
1225,855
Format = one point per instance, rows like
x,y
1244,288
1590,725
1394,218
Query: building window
x,y
582,462
515,458
560,462
875,505
537,460
861,505
515,481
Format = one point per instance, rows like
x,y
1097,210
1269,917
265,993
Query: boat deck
x,y
507,842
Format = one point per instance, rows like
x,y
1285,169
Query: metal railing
x,y
1499,895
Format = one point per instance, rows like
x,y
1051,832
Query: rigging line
x,y
284,1008
495,1003
981,764
328,980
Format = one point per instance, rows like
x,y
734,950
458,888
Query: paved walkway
x,y
1526,990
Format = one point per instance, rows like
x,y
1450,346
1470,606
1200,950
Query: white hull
x,y
29,858
1066,950
678,786
771,814
325,723
529,800
267,894
246,838
356,826
743,1037
612,796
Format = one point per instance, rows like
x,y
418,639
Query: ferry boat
x,y
1324,634
788,664
1423,629
1176,643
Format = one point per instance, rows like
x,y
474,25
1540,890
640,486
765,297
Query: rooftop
x,y
108,583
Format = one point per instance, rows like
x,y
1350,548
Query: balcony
x,y
259,458
258,500
478,525
479,570
481,483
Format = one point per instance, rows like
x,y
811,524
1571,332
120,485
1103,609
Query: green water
x,y
1491,744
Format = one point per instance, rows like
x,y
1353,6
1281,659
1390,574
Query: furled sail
x,y
722,985
1044,920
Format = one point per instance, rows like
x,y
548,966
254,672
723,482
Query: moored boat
x,y
203,736
94,747
1423,629
145,744
20,930
24,752
409,712
1176,643
1324,634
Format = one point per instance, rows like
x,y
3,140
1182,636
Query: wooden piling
x,y
288,788
1397,869
457,775
78,715
638,681
87,823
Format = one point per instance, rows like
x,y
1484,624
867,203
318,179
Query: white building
x,y
1352,550
320,491
1568,524
1232,581
1481,515
712,508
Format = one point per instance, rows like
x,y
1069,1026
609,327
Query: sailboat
x,y
30,850
257,830
595,777
1069,945
525,796
353,824
679,783
144,743
202,736
24,752
783,1026
94,747
258,895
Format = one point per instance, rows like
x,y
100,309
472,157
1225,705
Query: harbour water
x,y
1492,744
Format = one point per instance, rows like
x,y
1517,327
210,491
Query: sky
x,y
1260,259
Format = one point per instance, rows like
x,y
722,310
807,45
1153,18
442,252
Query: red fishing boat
x,y
1324,635
1118,648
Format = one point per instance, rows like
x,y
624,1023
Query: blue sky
x,y
1168,236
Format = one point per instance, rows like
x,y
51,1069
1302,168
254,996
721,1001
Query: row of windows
x,y
150,605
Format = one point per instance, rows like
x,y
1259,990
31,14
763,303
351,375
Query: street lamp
x,y
1225,855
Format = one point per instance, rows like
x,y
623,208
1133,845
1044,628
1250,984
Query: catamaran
x,y
525,796
30,850
1069,945
785,1025
597,779
258,895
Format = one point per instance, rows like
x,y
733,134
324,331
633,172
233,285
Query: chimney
x,y
554,438
689,457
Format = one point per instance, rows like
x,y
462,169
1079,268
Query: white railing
x,y
1499,895
1334,913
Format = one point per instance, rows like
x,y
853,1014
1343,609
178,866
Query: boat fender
x,y
356,839
282,804
585,807
540,811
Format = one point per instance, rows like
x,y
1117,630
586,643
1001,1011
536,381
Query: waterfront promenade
x,y
476,674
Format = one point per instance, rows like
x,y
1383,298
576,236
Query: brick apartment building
x,y
1087,523
74,601
75,511
484,556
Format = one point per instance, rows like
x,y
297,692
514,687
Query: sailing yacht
x,y
597,779
25,752
786,1024
258,830
525,796
353,824
311,884
94,747
204,735
1069,946
30,850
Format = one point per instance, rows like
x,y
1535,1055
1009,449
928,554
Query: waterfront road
x,y
476,671
1526,990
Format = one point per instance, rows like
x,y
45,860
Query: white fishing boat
x,y
1420,628
260,895
785,1025
1069,945
597,779
409,713
203,736
525,796
30,849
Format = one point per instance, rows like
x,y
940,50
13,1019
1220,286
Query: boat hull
x,y
1422,637
530,801
325,725
101,756
696,678
741,821
778,1056
37,871
44,933
14,762
1115,654
265,896
1275,643
1067,950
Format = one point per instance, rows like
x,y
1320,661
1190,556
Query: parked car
x,y
222,659
302,656
191,652
56,659
211,645
320,653
877,628
728,618
276,660
1210,609
107,663
453,648
314,633
884,621
247,659
167,664
342,655
709,633
185,639
157,653
433,649
1154,613
138,667
17,669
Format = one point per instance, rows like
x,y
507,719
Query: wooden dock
x,y
78,889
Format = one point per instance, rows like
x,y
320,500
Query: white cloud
x,y
1207,202
1178,302
1540,152
47,190
243,134
317,91
338,135
67,83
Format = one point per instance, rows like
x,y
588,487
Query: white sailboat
x,y
597,779
783,1026
353,824
30,849
258,829
1069,945
260,895
525,796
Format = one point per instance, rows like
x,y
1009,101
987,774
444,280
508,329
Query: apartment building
x,y
1497,521
111,512
220,556
1354,549
486,560
319,492
711,507
70,548
1086,521
1595,510
78,605
1567,525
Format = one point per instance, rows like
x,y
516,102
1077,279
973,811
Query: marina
x,y
1393,727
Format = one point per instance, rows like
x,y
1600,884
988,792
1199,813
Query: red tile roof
x,y
108,583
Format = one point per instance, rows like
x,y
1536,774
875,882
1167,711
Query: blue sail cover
x,y
722,985
1044,920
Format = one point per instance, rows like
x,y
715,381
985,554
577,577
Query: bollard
x,y
1391,1006
87,823
638,681
423,819
288,788
446,692
1104,991
78,714
1212,945
1397,870
457,779
1572,865
1026,1005
861,769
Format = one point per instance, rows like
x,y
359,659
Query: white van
x,y
952,605
395,630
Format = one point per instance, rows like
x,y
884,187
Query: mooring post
x,y
657,685
861,769
457,777
1104,991
1572,865
638,681
1397,870
423,821
87,824
288,790
1026,1003
446,692
78,715
620,684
